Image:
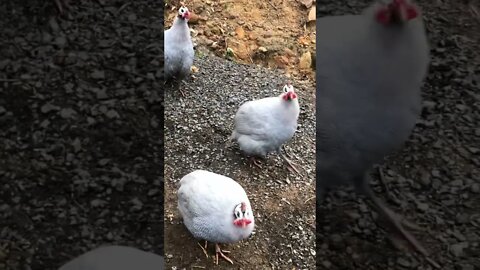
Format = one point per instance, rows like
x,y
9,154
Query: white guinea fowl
x,y
179,53
370,70
116,258
265,125
215,208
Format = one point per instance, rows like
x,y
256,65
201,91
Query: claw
x,y
291,164
396,222
182,93
220,252
256,162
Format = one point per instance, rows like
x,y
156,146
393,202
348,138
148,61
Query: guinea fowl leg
x,y
220,252
392,218
285,151
179,85
229,141
204,248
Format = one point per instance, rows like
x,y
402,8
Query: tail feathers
x,y
251,146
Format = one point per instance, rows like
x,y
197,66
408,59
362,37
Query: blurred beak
x,y
245,222
242,222
186,15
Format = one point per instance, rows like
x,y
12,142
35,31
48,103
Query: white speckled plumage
x,y
206,202
179,53
264,125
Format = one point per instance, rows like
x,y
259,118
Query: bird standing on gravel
x,y
215,208
264,125
370,69
116,258
179,52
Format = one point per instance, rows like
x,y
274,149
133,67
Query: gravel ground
x,y
80,143
435,180
196,128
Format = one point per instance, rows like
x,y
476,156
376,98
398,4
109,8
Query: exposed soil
x,y
81,130
273,34
435,180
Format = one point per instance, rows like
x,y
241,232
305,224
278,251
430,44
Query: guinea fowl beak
x,y
186,15
242,222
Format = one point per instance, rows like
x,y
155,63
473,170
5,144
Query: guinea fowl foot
x,y
177,83
182,93
396,222
291,164
256,162
220,252
204,249
61,4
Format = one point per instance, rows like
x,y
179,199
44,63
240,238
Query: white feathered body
x,y
264,125
206,202
369,79
179,53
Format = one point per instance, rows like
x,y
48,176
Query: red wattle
x,y
242,222
412,13
383,16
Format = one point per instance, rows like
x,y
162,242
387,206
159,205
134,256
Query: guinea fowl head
x,y
288,92
396,12
183,13
242,215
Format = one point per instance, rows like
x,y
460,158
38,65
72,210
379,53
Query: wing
x,y
254,118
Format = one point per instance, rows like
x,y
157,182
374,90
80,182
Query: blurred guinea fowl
x,y
265,125
116,258
370,69
216,209
179,53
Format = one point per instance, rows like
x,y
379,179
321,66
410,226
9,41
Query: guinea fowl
x,y
116,257
265,125
216,209
179,51
370,69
